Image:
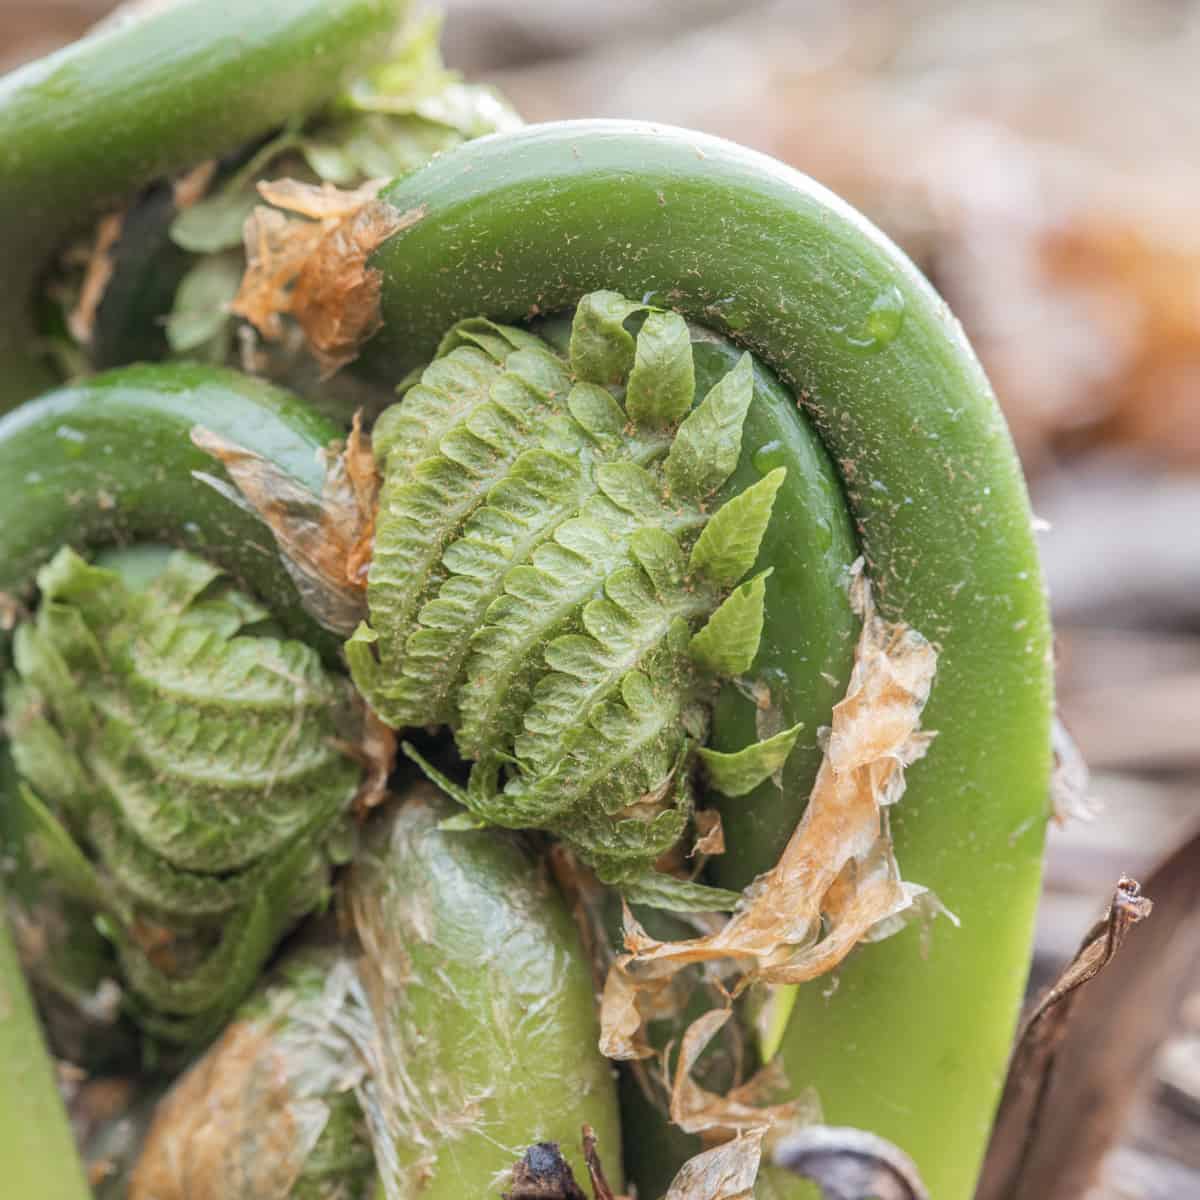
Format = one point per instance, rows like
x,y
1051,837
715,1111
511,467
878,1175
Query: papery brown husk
x,y
836,884
313,265
325,541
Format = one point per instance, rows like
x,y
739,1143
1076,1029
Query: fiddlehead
x,y
557,576
198,764
732,241
935,497
182,767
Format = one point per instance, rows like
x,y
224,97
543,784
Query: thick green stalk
x,y
36,1147
912,1047
482,1002
83,128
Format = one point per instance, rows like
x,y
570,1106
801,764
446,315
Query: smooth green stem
x,y
911,1046
37,1151
111,461
83,128
484,1003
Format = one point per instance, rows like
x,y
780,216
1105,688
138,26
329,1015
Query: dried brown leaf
x,y
747,1107
710,839
313,266
192,186
837,882
1103,1066
625,1006
591,1155
203,1139
82,317
336,297
1032,1070
1047,1022
325,541
375,751
726,1172
276,250
850,1164
362,482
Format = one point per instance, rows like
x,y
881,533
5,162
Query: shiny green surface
x,y
83,128
36,1148
911,1046
809,631
111,460
482,994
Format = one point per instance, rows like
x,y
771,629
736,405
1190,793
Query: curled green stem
x,y
908,1046
112,461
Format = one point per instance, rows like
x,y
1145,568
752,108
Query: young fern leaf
x,y
662,383
425,506
602,349
728,545
199,775
539,598
728,643
656,890
709,441
743,770
58,855
599,414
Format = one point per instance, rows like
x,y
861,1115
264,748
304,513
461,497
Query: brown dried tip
x,y
313,266
82,318
326,542
591,1156
1032,1070
726,1172
744,1108
837,882
212,1132
375,750
1047,1022
710,833
543,1174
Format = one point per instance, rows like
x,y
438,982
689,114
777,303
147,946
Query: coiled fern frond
x,y
559,577
184,773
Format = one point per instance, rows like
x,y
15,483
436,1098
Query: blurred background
x,y
1041,162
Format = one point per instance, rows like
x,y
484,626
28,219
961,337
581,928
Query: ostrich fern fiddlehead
x,y
616,682
558,577
884,385
200,767
176,775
